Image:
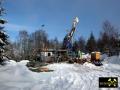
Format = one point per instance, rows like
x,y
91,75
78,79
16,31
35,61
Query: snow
x,y
90,65
16,76
104,56
112,63
113,60
86,56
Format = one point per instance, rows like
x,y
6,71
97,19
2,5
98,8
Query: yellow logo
x,y
112,82
109,82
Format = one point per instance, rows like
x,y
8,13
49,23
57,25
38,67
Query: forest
x,y
27,45
35,61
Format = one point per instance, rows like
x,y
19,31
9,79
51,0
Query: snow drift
x,y
112,60
16,76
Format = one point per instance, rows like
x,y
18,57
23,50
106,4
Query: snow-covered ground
x,y
16,76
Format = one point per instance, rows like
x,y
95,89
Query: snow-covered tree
x,y
3,36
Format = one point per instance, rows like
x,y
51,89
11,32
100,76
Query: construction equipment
x,y
67,43
95,58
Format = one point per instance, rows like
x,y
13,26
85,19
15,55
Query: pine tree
x,y
75,46
81,43
3,36
91,44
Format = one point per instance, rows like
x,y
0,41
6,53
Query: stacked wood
x,y
43,69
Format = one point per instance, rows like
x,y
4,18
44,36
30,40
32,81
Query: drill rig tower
x,y
67,43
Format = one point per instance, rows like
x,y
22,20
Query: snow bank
x,y
112,63
23,62
113,60
57,66
104,56
16,76
90,65
11,62
77,77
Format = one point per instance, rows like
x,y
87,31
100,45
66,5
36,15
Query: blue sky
x,y
57,16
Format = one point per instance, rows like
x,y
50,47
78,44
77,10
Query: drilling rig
x,y
67,42
67,45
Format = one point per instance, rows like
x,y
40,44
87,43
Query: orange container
x,y
95,56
